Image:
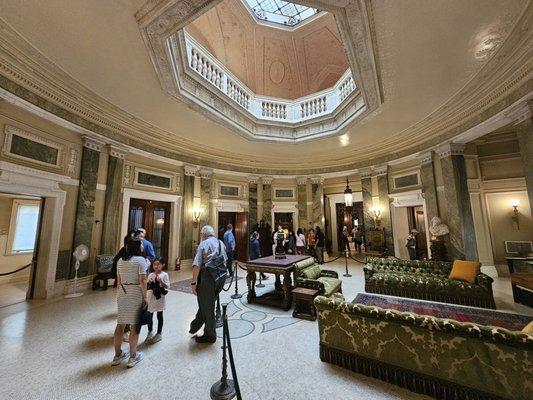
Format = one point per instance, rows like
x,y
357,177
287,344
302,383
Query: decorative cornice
x,y
450,149
425,158
190,170
92,143
301,180
380,170
267,180
116,151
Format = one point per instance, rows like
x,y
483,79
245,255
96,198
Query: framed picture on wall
x,y
518,247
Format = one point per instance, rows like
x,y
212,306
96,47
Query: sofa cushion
x,y
301,265
312,272
331,285
465,270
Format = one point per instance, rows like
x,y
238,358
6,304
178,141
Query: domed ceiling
x,y
273,62
442,67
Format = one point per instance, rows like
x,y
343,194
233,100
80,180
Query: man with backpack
x,y
209,273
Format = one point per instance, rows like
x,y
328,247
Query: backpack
x,y
217,266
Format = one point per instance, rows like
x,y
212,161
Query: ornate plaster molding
x,y
206,173
117,152
92,143
253,179
380,170
190,170
521,112
425,158
450,149
267,180
317,180
301,180
365,173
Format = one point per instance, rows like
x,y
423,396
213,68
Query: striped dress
x,y
129,297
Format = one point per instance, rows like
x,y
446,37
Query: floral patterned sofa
x,y
442,358
426,280
307,274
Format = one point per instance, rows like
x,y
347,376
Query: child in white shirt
x,y
158,282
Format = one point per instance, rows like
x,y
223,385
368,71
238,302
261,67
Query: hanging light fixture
x,y
348,197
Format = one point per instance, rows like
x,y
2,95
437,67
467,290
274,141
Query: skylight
x,y
281,12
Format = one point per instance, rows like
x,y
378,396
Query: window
x,y
281,12
23,226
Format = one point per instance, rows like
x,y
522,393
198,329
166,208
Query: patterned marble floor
x,y
61,349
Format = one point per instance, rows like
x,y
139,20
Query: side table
x,y
304,307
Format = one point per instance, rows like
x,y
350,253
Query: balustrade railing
x,y
266,108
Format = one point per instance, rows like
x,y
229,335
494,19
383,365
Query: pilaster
x,y
317,196
301,196
205,196
186,250
267,199
462,238
366,188
429,186
252,202
381,173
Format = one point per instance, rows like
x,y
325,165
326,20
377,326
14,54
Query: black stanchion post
x,y
260,284
346,264
224,389
218,319
237,295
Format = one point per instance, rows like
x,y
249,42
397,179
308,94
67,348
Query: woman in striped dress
x,y
131,276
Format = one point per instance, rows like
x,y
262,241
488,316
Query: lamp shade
x,y
348,196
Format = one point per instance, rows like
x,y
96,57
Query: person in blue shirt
x,y
149,252
229,242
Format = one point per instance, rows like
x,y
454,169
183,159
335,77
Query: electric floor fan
x,y
81,253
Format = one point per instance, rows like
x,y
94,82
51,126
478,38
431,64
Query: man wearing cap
x,y
208,276
411,244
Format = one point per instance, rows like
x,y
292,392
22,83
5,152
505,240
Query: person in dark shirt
x,y
255,250
320,241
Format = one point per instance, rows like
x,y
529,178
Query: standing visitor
x,y
358,239
345,240
411,244
255,250
291,243
157,284
208,276
149,252
229,242
320,241
131,274
300,241
311,242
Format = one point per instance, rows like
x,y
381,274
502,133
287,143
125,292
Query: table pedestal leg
x,y
287,287
277,284
250,281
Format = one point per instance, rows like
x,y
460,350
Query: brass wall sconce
x,y
515,203
196,215
376,212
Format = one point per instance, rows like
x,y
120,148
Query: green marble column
x,y
302,202
317,196
111,241
429,187
462,238
385,216
186,225
525,139
366,188
267,200
83,226
252,204
205,196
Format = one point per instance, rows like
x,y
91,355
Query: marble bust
x,y
438,228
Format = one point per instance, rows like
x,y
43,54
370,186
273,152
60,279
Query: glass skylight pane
x,y
281,12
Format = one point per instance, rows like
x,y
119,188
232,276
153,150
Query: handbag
x,y
217,265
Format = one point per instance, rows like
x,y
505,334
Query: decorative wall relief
x,y
33,148
144,178
127,175
72,161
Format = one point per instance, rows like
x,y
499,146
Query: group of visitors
x,y
142,288
356,236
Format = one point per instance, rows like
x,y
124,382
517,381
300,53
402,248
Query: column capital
x,y
117,151
316,180
425,158
92,143
267,180
380,170
190,170
365,173
206,173
253,179
450,149
301,180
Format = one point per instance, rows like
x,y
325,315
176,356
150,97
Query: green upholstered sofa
x,y
442,358
426,280
307,274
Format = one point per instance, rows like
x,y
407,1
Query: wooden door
x,y
421,239
241,236
154,216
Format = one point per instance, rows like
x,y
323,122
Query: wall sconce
x,y
376,212
196,214
160,221
515,203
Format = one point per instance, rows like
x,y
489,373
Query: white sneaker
x,y
118,359
149,338
198,333
126,337
157,338
132,362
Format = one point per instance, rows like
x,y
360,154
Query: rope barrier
x,y
15,271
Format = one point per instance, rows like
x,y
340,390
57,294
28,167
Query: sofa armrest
x,y
310,284
329,273
484,281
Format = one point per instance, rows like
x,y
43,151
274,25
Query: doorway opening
x,y
19,231
239,221
154,216
416,218
285,219
349,217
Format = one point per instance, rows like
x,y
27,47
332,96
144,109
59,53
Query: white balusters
x,y
273,110
201,64
236,93
313,107
346,87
